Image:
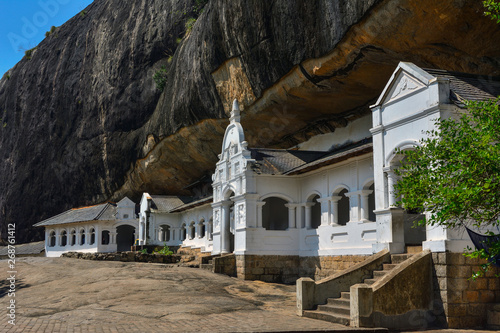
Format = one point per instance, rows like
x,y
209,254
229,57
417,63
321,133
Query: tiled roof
x,y
360,148
192,204
23,249
165,203
292,162
279,161
469,86
102,212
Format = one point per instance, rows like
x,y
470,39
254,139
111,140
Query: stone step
x,y
338,310
370,281
388,267
208,267
339,302
326,316
399,258
379,274
412,249
345,295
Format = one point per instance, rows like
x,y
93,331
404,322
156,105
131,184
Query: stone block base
x,y
287,269
462,301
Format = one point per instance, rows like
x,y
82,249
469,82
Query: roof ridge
x,y
103,210
461,73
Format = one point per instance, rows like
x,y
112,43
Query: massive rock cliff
x,y
82,120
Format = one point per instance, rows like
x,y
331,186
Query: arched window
x,y
164,233
52,239
72,240
343,208
275,214
92,236
315,213
192,231
82,237
105,237
64,238
201,226
371,204
184,232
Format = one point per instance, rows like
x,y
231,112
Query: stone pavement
x,y
74,295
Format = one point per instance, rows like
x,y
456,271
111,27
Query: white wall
x,y
355,131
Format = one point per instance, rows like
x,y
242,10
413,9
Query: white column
x,y
364,204
259,213
391,181
298,216
335,209
308,206
325,211
291,215
353,206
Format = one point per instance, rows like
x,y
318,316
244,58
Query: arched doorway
x,y
125,237
414,234
228,226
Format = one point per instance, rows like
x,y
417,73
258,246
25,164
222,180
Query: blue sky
x,y
23,24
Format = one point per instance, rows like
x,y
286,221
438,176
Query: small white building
x,y
106,227
176,220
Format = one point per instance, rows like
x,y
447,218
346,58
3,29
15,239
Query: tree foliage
x,y
160,77
492,9
454,175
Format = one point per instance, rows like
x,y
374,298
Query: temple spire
x,y
235,112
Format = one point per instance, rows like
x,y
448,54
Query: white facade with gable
x,y
409,105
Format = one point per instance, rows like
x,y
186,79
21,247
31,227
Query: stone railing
x,y
400,299
311,293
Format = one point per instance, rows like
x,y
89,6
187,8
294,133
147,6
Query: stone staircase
x,y
191,257
209,266
338,310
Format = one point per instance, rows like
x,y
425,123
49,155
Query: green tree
x,y
160,77
492,9
454,174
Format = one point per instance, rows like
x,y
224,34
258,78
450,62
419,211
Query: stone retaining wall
x,y
125,256
464,301
287,269
225,264
321,267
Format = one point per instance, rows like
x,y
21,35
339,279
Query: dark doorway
x,y
124,237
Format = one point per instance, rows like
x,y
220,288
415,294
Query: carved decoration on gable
x,y
404,86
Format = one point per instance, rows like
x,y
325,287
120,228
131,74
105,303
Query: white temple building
x,y
329,196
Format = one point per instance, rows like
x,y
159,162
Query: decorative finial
x,y
235,113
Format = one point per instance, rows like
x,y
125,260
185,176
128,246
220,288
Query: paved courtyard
x,y
71,295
